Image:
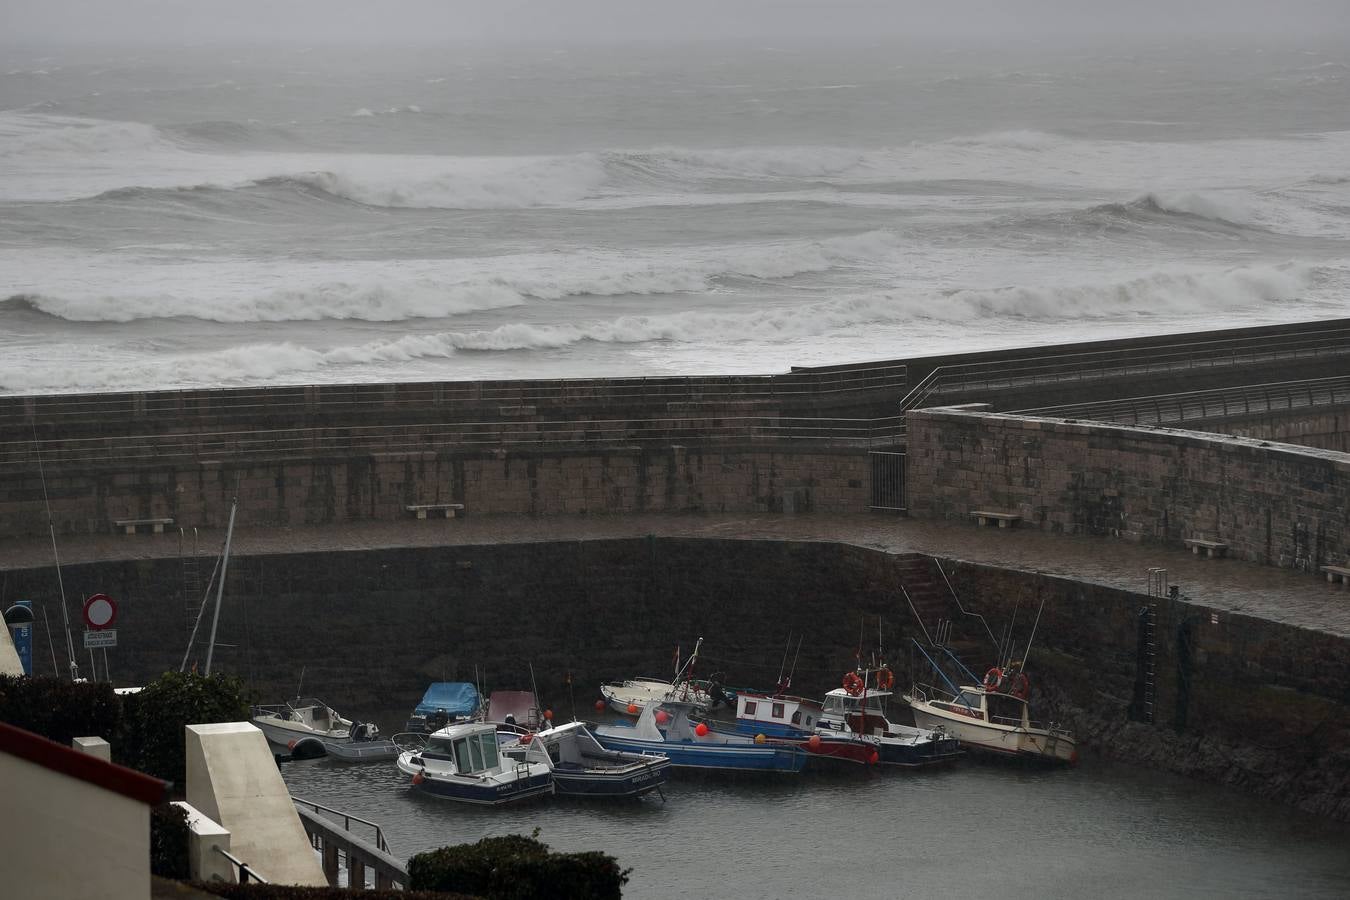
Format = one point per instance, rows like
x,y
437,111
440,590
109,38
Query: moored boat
x,y
444,703
462,763
859,708
582,767
631,696
307,726
994,716
668,729
793,720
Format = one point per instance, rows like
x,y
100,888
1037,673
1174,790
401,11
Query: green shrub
x,y
152,738
169,842
514,867
59,709
255,891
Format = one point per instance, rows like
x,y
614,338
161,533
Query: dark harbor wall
x,y
1274,503
1241,700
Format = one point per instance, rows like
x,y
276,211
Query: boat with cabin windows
x,y
793,720
859,708
671,728
462,763
582,767
994,716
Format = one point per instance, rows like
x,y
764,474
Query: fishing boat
x,y
993,716
583,768
462,763
631,696
444,703
667,728
859,708
793,720
307,726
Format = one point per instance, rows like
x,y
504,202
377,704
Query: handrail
x,y
348,819
246,874
961,607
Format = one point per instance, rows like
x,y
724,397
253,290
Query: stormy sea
x,y
210,216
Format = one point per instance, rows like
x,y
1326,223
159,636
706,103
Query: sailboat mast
x,y
60,583
220,586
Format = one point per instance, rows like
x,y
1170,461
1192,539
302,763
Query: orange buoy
x,y
874,757
632,709
548,715
759,739
814,743
526,737
701,729
662,717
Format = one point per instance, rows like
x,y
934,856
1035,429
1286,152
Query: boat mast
x,y
220,586
60,584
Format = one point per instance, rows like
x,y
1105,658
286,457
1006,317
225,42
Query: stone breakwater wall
x,y
330,490
1239,699
1272,503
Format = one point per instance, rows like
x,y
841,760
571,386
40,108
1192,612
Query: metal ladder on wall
x,y
1157,588
193,589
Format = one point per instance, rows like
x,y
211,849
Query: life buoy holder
x,y
885,679
993,678
853,684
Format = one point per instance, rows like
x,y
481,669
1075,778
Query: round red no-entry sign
x,y
100,611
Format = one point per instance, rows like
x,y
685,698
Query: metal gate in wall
x,y
888,481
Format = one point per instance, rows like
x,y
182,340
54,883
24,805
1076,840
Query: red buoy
x,y
548,715
418,778
874,757
814,743
290,745
599,706
632,709
526,738
701,729
662,717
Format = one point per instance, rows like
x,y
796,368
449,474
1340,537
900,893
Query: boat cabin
x,y
471,749
977,703
775,716
861,714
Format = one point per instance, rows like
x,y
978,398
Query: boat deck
x,y
1281,595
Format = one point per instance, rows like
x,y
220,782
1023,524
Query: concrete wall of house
x,y
1273,503
63,837
344,489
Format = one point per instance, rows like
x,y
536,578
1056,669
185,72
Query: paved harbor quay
x,y
1301,599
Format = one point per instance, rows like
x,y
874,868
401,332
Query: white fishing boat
x,y
463,763
994,716
584,768
306,726
631,696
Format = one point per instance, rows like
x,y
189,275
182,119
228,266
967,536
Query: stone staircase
x,y
932,601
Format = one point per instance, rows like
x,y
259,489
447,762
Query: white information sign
x,y
105,638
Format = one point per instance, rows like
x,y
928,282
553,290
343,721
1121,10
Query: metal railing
x,y
1219,403
338,845
243,872
347,820
413,396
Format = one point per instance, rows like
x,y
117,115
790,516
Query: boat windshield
x,y
968,699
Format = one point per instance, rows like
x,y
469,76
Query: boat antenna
x,y
1023,665
783,664
301,683
795,657
535,688
220,585
51,646
60,583
1006,653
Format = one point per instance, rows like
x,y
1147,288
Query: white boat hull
x,y
1007,740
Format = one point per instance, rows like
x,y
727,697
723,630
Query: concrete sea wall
x,y
1238,699
1272,503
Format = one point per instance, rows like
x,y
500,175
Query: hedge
x,y
152,737
59,709
515,867
169,836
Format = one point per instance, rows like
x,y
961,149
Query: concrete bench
x,y
446,509
1211,548
1338,573
132,524
989,517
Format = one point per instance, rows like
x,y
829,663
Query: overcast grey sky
x,y
384,21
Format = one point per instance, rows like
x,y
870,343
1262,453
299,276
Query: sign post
x,y
100,612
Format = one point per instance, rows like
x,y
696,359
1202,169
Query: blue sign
x,y
20,620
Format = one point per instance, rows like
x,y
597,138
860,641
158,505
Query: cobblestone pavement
x,y
1281,595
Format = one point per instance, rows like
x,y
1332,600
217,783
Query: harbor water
x,y
974,830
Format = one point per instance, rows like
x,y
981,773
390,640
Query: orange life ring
x,y
885,679
853,684
993,678
1021,686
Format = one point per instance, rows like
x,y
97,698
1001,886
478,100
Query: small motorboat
x,y
584,768
859,708
462,762
668,729
793,720
631,696
993,716
307,727
444,703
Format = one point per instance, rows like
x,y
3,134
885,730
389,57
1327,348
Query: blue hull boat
x,y
462,763
582,767
668,730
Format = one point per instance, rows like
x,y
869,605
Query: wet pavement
x,y
1282,595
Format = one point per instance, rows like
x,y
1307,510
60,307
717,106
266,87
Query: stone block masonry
x,y
1273,503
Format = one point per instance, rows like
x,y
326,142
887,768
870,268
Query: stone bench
x,y
1211,548
446,509
132,524
1338,573
989,517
